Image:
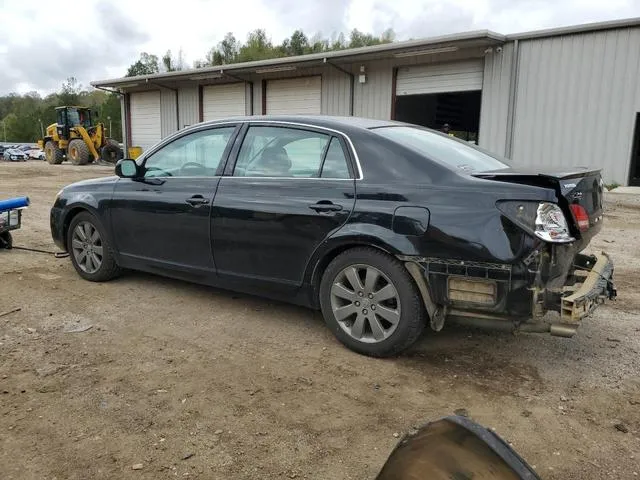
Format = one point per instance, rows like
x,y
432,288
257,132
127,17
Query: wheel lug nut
x,y
361,294
365,311
373,307
371,295
357,304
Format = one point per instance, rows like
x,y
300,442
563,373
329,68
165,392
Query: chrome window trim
x,y
182,133
319,127
225,123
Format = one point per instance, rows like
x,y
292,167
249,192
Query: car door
x,y
162,219
289,188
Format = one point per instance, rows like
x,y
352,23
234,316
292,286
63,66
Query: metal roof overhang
x,y
433,45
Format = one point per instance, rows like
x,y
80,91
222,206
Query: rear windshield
x,y
443,149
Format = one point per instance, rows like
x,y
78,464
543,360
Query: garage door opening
x,y
634,173
461,110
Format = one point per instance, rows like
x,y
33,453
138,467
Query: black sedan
x,y
386,227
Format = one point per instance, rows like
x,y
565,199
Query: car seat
x,y
275,162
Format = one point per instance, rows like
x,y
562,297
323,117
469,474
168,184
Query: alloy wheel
x,y
86,245
365,303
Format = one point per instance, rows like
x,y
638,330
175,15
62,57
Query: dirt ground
x,y
189,381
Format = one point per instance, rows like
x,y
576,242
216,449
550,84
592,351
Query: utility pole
x,y
41,128
110,131
4,124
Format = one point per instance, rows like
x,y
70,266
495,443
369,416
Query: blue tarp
x,y
13,203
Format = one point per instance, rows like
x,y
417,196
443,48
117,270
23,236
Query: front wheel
x,y
371,303
78,152
52,153
89,249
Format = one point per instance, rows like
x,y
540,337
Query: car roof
x,y
327,121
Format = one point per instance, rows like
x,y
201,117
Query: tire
x,y
111,152
6,240
94,248
78,152
52,153
360,329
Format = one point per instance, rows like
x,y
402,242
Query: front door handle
x,y
197,200
325,206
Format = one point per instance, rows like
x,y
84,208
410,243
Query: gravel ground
x,y
249,388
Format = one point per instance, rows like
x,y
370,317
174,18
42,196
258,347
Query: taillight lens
x,y
581,216
543,219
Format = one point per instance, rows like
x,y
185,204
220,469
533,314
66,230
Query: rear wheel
x,y
89,248
111,152
52,153
78,152
371,303
6,241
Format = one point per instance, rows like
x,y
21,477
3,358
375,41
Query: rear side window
x,y
446,150
288,152
335,162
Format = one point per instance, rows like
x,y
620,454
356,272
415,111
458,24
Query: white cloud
x,y
39,50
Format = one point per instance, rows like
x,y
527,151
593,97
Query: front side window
x,y
446,150
281,152
195,155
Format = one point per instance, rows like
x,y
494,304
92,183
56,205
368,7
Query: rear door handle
x,y
325,206
197,200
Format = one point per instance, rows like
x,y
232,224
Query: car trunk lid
x,y
579,192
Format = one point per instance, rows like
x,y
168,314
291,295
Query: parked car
x,y
14,155
386,227
35,153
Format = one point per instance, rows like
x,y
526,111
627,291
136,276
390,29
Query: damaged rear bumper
x,y
480,295
594,285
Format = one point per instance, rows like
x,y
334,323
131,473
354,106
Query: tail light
x,y
581,216
543,219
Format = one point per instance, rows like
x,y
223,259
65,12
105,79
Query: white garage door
x,y
220,101
440,78
145,119
294,95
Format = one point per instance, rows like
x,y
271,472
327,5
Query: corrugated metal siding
x,y
495,100
168,115
373,98
576,101
443,77
336,92
295,95
221,101
248,99
188,104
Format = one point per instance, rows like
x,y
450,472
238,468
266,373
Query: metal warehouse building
x,y
552,98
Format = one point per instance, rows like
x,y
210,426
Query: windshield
x,y
78,117
452,152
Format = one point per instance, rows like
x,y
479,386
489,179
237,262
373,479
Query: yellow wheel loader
x,y
75,137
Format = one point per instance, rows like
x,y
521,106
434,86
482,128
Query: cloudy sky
x,y
39,50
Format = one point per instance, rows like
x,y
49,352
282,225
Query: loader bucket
x,y
454,448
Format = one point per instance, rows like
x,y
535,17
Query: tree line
x,y
23,117
258,46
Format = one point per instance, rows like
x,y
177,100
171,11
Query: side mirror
x,y
127,168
